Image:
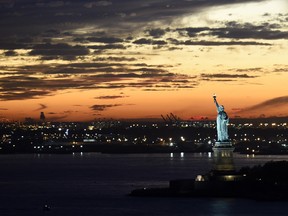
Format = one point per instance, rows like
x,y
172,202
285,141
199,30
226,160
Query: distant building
x,y
42,116
29,120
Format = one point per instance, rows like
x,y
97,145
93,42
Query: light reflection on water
x,y
221,206
97,184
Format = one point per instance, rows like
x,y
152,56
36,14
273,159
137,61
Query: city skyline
x,y
82,60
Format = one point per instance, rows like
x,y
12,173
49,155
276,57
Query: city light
x,y
67,136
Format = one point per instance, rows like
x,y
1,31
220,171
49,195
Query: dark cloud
x,y
10,44
157,32
51,4
159,42
97,4
281,70
103,107
52,113
250,31
10,53
104,39
107,47
31,94
150,89
115,59
57,118
143,41
257,69
26,23
171,80
33,18
26,83
28,87
42,107
100,33
218,43
228,76
104,69
109,97
218,80
37,81
235,30
13,42
268,104
51,33
192,32
59,51
131,75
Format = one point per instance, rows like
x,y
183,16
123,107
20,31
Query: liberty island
x,y
224,180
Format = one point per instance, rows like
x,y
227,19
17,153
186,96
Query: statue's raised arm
x,y
215,101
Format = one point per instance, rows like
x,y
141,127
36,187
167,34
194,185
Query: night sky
x,y
80,60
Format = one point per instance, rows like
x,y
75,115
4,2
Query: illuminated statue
x,y
222,122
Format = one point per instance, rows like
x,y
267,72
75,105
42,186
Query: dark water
x,y
97,184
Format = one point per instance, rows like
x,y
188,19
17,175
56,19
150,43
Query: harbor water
x,y
98,184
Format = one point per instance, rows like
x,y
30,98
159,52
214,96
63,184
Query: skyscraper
x,y
42,116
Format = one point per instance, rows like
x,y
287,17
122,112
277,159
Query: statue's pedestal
x,y
223,179
223,157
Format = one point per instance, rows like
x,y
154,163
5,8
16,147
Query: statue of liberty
x,y
222,122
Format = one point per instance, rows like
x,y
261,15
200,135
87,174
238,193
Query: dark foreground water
x,y
97,184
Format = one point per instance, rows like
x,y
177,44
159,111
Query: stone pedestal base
x,y
223,157
220,144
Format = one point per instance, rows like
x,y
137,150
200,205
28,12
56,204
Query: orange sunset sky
x,y
83,60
